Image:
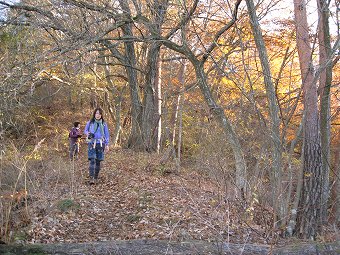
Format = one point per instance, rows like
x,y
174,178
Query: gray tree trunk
x,y
156,247
180,129
273,112
181,78
150,114
216,110
174,120
135,139
149,122
309,210
118,110
118,97
219,114
294,208
324,89
159,109
337,180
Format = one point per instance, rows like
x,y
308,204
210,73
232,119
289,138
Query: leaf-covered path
x,y
134,199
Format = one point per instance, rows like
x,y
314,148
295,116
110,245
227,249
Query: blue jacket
x,y
89,128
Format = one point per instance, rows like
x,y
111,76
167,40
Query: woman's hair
x,y
75,124
94,114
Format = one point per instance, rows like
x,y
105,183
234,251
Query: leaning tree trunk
x,y
273,112
218,112
325,85
309,209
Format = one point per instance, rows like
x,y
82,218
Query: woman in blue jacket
x,y
98,137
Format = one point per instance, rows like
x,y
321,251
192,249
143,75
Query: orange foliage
x,y
16,197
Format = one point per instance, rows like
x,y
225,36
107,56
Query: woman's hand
x,y
107,148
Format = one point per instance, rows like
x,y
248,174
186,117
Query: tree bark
x,y
150,115
337,180
135,140
309,210
294,207
150,111
159,109
325,85
179,109
156,247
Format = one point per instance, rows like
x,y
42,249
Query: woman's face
x,y
97,115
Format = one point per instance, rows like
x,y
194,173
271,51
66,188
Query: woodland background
x,y
243,95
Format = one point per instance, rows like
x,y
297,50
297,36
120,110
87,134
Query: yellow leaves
x,y
255,198
214,202
307,174
227,82
88,76
35,155
250,210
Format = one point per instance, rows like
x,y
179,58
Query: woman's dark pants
x,y
95,156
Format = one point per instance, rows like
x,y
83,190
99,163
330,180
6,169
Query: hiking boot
x,y
92,180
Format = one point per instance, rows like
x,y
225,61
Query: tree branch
x,y
221,31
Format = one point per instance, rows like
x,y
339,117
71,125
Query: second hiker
x,y
74,137
98,138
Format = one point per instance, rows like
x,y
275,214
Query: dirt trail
x,y
134,200
140,207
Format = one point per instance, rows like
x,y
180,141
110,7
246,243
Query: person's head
x,y
76,124
97,114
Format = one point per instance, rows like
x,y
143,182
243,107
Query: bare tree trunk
x,y
175,119
118,126
116,116
181,79
118,96
218,112
325,85
180,125
337,180
292,220
169,143
135,139
159,108
150,117
309,211
273,111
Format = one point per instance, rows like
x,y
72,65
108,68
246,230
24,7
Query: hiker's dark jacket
x,y
74,135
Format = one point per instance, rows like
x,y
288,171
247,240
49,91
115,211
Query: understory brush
x,y
31,179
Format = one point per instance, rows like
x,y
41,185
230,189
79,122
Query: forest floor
x,y
137,198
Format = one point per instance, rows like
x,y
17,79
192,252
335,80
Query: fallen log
x,y
158,247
